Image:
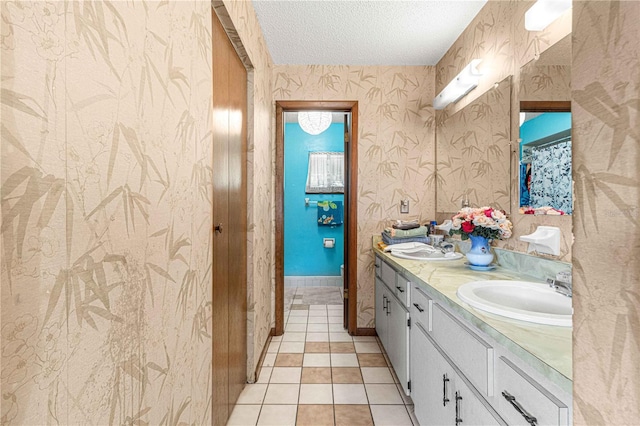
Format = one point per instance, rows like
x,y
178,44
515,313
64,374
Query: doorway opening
x,y
316,209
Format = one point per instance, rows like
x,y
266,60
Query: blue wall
x,y
544,125
304,254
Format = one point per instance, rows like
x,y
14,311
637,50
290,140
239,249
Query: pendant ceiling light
x,y
314,122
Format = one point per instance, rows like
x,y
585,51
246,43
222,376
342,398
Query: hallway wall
x,y
106,212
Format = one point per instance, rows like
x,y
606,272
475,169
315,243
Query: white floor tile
x,y
383,394
316,394
337,327
365,339
318,313
318,308
293,336
278,393
286,375
252,394
244,415
376,375
297,320
317,328
317,337
367,347
340,337
334,307
299,313
316,360
278,415
269,360
390,415
336,319
292,348
295,327
273,347
318,320
349,394
265,374
276,338
344,360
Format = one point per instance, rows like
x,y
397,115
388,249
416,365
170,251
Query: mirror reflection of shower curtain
x,y
551,177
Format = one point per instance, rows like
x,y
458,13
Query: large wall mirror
x,y
545,132
473,151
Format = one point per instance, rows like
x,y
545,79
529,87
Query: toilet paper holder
x,y
328,242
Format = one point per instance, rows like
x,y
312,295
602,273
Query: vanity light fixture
x,y
457,88
544,12
314,122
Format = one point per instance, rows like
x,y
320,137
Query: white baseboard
x,y
308,281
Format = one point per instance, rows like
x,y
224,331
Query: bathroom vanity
x,y
461,365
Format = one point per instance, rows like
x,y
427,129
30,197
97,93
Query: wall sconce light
x,y
543,13
314,122
464,82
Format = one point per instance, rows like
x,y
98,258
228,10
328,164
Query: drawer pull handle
x,y
458,399
384,303
400,289
512,400
444,390
377,266
418,307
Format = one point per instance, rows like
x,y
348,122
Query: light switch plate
x,y
404,206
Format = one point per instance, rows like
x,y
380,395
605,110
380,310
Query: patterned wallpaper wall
x,y
395,145
606,155
106,212
497,36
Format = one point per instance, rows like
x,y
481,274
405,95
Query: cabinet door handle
x,y
384,303
512,400
218,228
458,399
400,289
418,307
444,390
388,306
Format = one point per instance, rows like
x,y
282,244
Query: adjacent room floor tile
x,y
278,415
273,347
335,319
340,337
294,336
349,394
336,327
315,394
365,347
316,375
252,394
316,347
298,313
365,339
318,308
318,328
295,327
383,394
278,393
244,415
372,360
315,415
390,415
346,375
297,320
276,338
286,375
265,374
377,375
292,347
317,320
289,360
317,313
316,360
317,337
269,360
342,347
353,415
344,360
297,307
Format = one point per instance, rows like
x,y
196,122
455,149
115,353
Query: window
x,y
326,173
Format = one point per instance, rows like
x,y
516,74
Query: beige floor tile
x,y
365,347
340,337
289,360
252,394
377,375
265,374
293,336
346,375
299,307
316,360
244,415
353,415
292,347
390,415
316,375
365,339
316,347
372,360
342,347
269,360
278,415
286,375
295,327
318,328
315,394
315,415
349,394
279,393
383,394
317,337
344,360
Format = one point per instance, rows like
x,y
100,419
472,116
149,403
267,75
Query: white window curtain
x,y
326,173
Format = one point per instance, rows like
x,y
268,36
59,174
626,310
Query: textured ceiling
x,y
362,32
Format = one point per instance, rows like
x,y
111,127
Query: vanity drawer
x,y
528,396
472,354
378,267
388,275
403,290
420,307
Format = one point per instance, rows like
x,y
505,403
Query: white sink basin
x,y
521,300
423,255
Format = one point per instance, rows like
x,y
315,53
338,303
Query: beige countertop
x,y
545,348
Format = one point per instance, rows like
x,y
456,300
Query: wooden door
x,y
229,220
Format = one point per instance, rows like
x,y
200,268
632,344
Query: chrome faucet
x,y
561,287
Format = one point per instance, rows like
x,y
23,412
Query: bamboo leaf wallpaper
x,y
106,211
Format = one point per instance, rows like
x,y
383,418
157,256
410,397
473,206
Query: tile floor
x,y
317,374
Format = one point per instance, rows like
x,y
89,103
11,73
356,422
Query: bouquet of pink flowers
x,y
483,222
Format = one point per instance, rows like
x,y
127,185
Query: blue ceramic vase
x,y
480,253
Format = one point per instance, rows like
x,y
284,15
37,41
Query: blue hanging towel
x,y
330,213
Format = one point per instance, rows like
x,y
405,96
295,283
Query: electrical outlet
x,y
404,206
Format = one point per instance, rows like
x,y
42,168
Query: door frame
x,y
351,215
